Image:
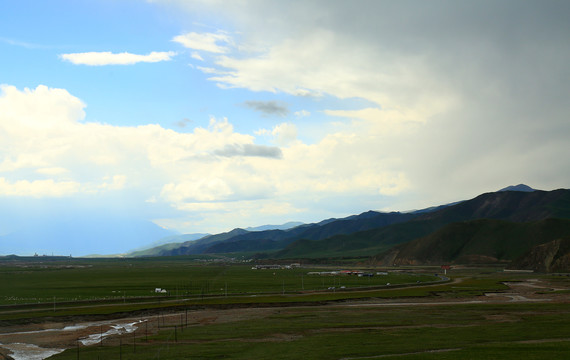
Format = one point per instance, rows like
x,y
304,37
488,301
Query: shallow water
x,y
115,330
22,351
29,351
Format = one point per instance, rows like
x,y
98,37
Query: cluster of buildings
x,y
276,267
358,273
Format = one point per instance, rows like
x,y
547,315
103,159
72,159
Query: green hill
x,y
510,206
476,241
553,256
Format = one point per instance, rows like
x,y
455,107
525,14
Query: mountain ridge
x,y
376,235
510,206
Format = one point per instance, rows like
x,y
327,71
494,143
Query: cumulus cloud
x,y
109,58
268,108
117,182
38,188
208,168
440,98
43,134
283,134
466,89
38,108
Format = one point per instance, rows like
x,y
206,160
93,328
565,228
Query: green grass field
x,y
510,331
71,280
338,330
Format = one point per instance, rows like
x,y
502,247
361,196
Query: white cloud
x,y
321,62
285,133
302,113
462,89
195,55
447,100
52,171
38,108
208,70
38,188
208,42
117,182
109,58
42,133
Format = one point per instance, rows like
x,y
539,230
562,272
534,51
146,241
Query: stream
x,y
35,345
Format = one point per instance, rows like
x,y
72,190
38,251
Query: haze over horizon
x,y
203,116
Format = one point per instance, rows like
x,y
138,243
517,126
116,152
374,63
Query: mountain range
x,y
497,227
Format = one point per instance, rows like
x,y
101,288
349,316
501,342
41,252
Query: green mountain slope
x,y
506,205
239,240
553,256
476,241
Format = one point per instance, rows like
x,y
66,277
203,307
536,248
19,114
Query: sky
x,y
207,115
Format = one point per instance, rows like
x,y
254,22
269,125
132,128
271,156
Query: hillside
x,y
507,205
511,206
476,241
452,229
553,256
239,240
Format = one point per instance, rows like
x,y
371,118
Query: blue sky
x,y
203,116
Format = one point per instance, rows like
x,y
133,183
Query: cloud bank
x,y
458,97
411,104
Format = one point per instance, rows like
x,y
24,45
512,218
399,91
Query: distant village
x,y
358,273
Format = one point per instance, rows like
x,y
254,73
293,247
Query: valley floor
x,y
358,329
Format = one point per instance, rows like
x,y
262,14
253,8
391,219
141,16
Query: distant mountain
x,y
509,205
166,243
519,187
499,217
239,240
199,246
285,226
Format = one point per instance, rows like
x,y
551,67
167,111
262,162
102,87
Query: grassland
x,y
60,287
482,331
231,311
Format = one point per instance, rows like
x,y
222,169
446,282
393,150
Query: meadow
x,y
219,310
66,282
481,331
